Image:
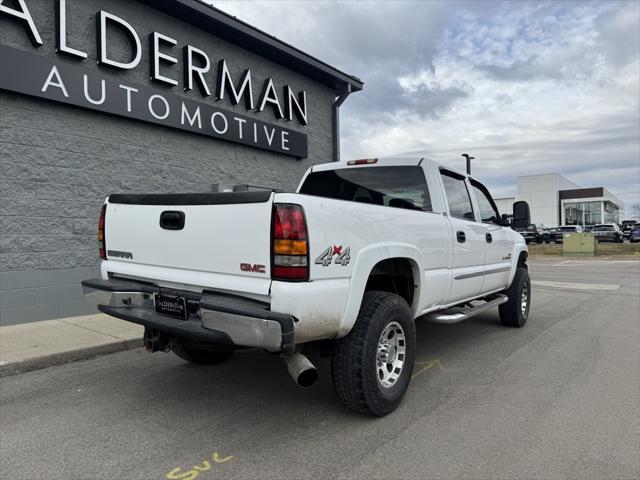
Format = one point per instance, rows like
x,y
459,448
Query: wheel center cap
x,y
391,354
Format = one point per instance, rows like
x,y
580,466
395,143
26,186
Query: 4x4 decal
x,y
326,257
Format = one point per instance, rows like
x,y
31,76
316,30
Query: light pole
x,y
469,158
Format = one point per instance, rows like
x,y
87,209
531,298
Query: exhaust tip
x,y
302,371
307,377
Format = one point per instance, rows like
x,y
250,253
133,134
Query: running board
x,y
468,311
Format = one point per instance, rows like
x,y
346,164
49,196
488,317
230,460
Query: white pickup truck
x,y
347,263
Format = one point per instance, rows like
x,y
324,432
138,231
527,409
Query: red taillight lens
x,y
290,252
101,238
289,223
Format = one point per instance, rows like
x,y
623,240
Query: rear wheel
x,y
515,311
201,357
372,365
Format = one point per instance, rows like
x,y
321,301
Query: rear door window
x,y
394,186
457,195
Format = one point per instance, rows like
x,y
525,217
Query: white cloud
x,y
525,87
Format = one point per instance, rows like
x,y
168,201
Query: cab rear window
x,y
397,186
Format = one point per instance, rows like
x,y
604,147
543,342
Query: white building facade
x,y
555,200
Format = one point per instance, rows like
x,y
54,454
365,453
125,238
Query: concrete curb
x,y
60,358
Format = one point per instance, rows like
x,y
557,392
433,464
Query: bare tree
x,y
635,210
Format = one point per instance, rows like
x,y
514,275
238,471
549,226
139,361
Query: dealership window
x,y
583,213
611,213
592,213
573,214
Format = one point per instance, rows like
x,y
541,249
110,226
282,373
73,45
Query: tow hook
x,y
303,372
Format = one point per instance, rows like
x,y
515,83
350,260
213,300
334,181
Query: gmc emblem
x,y
247,267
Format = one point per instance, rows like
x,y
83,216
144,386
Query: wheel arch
x,y
396,260
519,258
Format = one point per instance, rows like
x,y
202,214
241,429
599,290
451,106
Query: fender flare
x,y
518,248
368,258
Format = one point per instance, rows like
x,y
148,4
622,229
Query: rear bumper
x,y
213,318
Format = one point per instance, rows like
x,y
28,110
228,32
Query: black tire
x,y
511,312
354,364
201,357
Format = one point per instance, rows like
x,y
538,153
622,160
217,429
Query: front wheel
x,y
515,311
371,367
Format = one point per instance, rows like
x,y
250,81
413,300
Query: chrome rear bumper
x,y
214,318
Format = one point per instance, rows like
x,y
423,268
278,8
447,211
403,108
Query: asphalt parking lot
x,y
559,398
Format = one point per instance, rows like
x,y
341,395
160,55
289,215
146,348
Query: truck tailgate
x,y
225,237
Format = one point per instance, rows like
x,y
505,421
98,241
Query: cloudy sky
x,y
525,87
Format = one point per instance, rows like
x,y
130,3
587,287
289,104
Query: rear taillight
x,y
290,250
101,239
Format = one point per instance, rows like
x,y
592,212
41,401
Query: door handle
x,y
488,237
461,237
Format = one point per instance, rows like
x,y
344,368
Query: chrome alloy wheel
x,y
524,300
391,355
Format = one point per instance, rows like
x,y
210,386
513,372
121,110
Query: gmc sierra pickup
x,y
346,264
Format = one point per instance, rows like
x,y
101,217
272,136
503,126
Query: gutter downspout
x,y
336,121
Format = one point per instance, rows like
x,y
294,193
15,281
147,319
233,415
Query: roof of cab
x,y
386,161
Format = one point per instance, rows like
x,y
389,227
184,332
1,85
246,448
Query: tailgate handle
x,y
172,220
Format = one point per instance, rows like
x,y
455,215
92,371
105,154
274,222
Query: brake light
x,y
101,237
290,251
362,161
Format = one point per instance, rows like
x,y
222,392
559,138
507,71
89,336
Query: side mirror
x,y
506,220
521,215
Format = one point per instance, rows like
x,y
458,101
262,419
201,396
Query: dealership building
x,y
555,200
113,96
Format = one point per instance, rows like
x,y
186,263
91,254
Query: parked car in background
x,y
531,233
560,231
627,226
634,234
548,234
608,232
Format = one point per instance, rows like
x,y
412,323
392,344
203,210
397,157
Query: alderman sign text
x,y
44,77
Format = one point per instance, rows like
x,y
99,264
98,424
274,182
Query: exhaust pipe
x,y
303,372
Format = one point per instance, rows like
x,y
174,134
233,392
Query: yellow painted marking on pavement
x,y
205,466
217,459
192,474
424,366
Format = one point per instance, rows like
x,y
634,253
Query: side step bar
x,y
468,311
